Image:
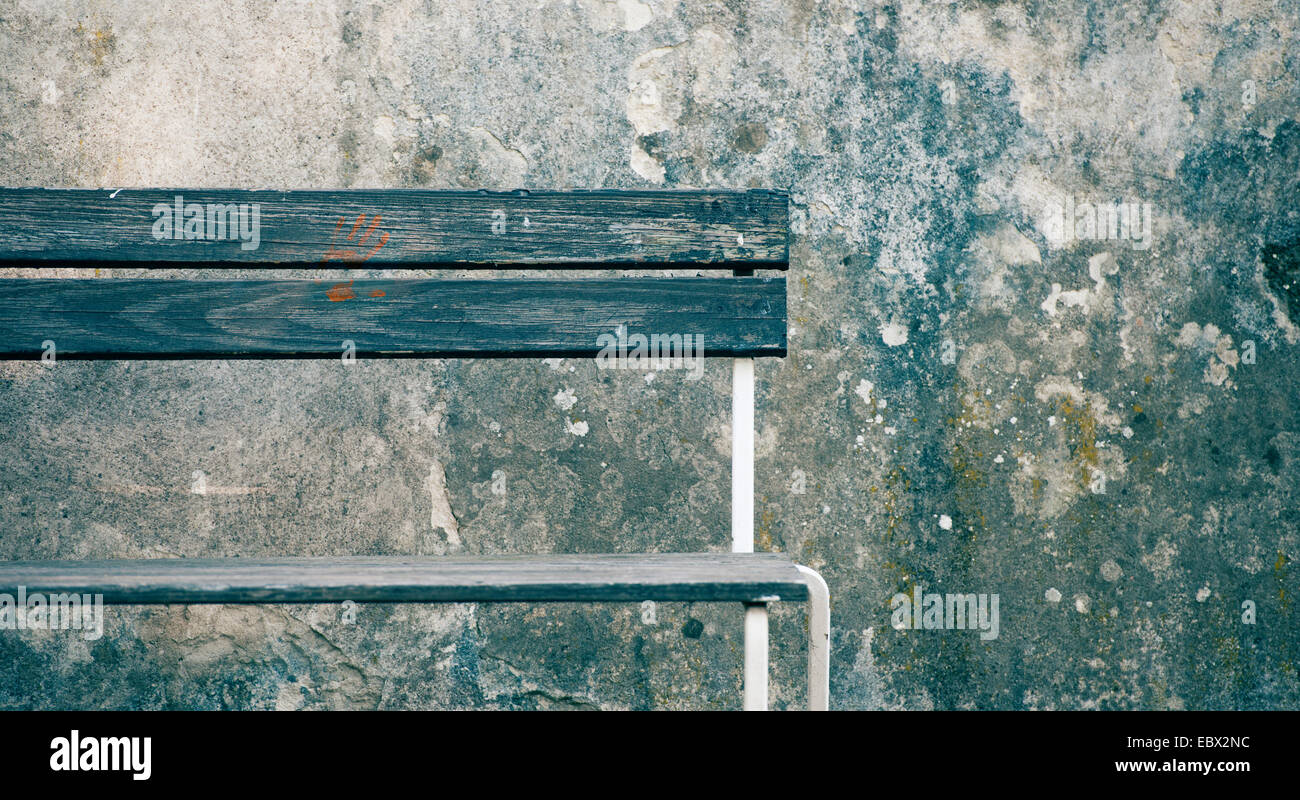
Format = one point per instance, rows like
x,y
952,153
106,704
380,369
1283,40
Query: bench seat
x,y
743,577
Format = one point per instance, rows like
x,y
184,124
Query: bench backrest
x,y
729,232
628,318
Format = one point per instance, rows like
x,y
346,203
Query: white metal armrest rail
x,y
755,579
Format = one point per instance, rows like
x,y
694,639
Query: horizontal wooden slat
x,y
146,318
397,228
746,577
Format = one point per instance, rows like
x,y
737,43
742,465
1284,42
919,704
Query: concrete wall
x,y
1103,433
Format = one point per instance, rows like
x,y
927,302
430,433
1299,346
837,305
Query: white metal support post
x,y
756,656
742,455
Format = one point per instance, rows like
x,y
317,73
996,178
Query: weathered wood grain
x,y
147,318
744,577
401,228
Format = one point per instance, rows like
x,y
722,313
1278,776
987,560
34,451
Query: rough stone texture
x,y
969,404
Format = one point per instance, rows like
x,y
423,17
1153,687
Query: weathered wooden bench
x,y
739,316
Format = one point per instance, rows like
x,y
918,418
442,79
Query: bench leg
x,y
819,640
756,656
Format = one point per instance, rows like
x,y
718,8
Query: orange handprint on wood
x,y
335,254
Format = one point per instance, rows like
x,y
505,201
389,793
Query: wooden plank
x,y
431,318
395,228
744,577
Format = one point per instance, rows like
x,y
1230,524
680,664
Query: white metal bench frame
x,y
742,541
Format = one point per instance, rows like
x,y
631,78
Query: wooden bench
x,y
740,317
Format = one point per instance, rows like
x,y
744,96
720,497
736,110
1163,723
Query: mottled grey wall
x,y
1105,436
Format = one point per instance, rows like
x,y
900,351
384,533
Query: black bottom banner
x,y
183,750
